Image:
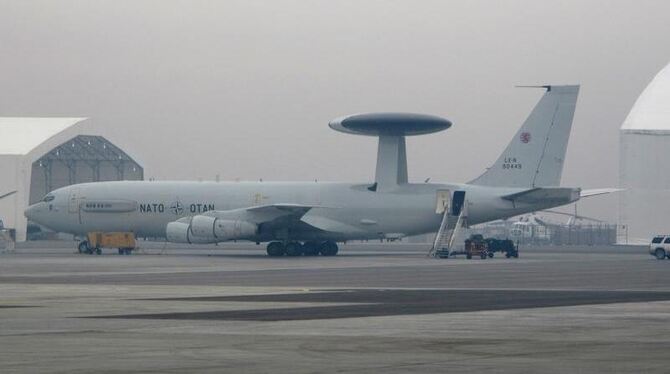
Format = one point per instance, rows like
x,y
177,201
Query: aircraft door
x,y
442,201
74,203
458,202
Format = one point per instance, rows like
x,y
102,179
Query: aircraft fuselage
x,y
146,208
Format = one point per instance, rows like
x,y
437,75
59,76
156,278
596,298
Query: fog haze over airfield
x,y
246,89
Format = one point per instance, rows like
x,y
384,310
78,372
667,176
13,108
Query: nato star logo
x,y
177,208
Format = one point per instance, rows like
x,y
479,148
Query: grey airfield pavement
x,y
372,308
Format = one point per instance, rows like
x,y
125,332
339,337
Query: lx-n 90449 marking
x,y
309,217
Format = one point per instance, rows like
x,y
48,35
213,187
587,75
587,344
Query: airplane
x,y
310,218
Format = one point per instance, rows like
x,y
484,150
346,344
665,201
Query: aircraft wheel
x,y
293,249
483,256
490,254
83,247
659,253
328,248
275,249
98,251
310,249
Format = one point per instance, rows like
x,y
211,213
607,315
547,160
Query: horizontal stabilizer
x,y
541,195
577,216
598,191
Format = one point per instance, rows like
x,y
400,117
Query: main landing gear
x,y
293,249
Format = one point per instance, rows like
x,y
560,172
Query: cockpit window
x,y
48,198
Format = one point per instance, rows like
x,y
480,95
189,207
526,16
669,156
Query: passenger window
x,y
48,198
657,239
667,240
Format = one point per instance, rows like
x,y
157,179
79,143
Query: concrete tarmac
x,y
372,308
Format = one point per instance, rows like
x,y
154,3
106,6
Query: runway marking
x,y
392,302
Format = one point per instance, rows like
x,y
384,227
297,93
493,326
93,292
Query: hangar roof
x,y
651,112
20,135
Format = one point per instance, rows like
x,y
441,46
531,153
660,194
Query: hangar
x,y
643,157
38,155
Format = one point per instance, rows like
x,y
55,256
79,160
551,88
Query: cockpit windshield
x,y
48,197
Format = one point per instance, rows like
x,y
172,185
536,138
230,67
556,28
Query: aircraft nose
x,y
31,212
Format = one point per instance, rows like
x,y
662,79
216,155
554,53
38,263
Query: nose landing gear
x,y
85,247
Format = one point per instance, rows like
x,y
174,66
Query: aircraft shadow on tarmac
x,y
384,302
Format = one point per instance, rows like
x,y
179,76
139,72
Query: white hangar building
x,y
38,155
644,157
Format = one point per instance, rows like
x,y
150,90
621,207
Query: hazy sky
x,y
245,89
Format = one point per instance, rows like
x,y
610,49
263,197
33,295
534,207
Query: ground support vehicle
x,y
476,246
95,241
505,246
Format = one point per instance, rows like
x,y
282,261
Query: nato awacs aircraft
x,y
309,218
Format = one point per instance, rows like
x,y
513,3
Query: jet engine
x,y
180,232
207,229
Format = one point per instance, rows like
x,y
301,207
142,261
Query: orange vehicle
x,y
124,241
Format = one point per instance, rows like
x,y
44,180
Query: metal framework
x,y
92,151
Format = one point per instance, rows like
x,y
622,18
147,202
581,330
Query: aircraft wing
x,y
317,219
264,213
282,215
598,191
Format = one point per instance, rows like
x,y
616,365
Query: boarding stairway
x,y
452,221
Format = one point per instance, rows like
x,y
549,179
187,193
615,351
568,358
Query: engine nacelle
x,y
203,226
207,229
180,232
225,229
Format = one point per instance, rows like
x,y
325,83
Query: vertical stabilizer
x,y
535,156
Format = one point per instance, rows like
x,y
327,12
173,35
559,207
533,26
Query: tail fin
x,y
534,157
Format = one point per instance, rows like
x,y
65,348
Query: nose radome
x,y
30,212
